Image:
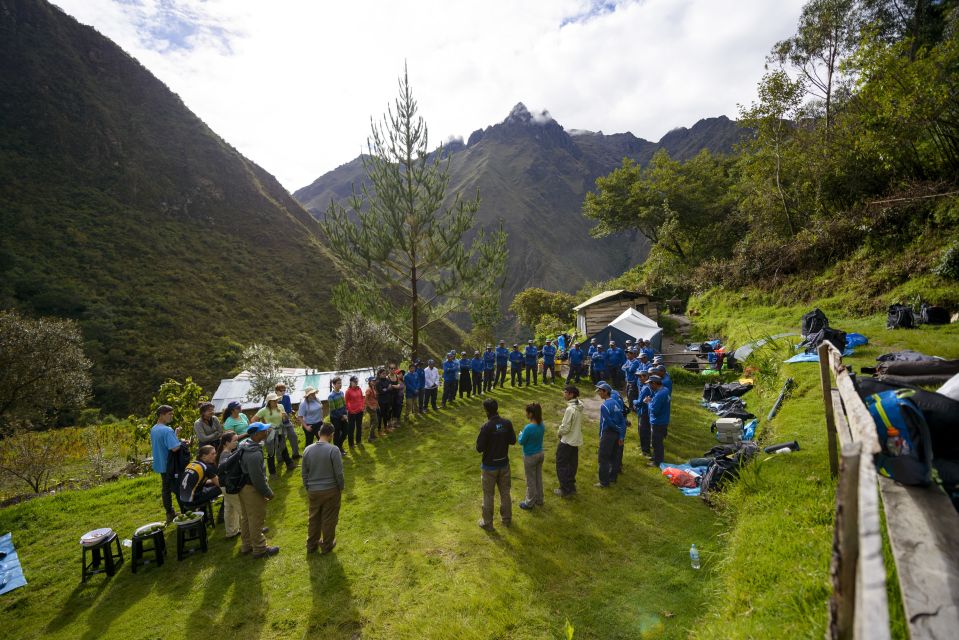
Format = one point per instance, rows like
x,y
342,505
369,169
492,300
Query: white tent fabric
x,y
237,388
635,325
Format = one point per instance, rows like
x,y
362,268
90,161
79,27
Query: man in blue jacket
x,y
477,367
648,350
549,361
531,357
489,365
451,370
612,431
421,386
466,366
597,364
630,368
660,370
502,359
516,361
642,413
659,407
615,358
575,363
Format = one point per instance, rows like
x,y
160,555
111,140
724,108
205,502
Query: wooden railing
x,y
921,524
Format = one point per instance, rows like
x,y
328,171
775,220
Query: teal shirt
x,y
531,438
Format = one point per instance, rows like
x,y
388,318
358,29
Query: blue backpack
x,y
906,454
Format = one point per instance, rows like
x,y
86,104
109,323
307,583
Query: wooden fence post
x,y
826,381
845,546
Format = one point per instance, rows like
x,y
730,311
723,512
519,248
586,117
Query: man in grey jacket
x,y
322,470
255,493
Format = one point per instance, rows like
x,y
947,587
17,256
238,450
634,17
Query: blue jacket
x,y
631,367
615,358
420,379
668,383
576,356
549,354
476,365
412,382
466,364
650,353
611,417
450,369
489,360
659,406
641,407
502,356
516,359
532,354
591,351
598,360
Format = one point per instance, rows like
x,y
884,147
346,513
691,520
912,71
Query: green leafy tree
x,y
361,342
550,327
265,365
43,369
531,304
185,398
405,236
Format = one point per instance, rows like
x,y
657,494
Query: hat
x,y
475,353
642,354
593,340
515,345
502,341
430,361
548,341
232,406
612,342
643,372
272,396
604,386
630,352
310,390
257,427
655,378
371,379
530,341
489,346
462,353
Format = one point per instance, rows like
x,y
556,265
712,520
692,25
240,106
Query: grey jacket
x,y
207,433
252,465
322,467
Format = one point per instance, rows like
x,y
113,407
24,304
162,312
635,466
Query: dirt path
x,y
677,343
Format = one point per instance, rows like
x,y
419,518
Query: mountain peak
x,y
521,115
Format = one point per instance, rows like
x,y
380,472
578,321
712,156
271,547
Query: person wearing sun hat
x,y
310,415
273,415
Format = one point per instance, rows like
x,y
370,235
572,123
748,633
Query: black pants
x,y
386,408
574,372
608,451
449,391
632,393
516,376
598,374
477,382
618,464
354,426
567,463
645,433
421,400
500,380
284,458
465,385
612,378
202,498
168,491
551,367
487,379
340,425
429,399
310,436
659,435
531,367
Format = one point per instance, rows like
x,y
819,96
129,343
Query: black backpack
x,y
813,322
930,314
232,476
727,461
835,336
900,316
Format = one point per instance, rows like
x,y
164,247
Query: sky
x,y
293,84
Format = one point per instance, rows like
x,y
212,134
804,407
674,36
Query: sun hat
x,y
271,396
310,390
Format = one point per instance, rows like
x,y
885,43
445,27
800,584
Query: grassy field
x,y
777,522
410,563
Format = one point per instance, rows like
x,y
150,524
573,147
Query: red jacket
x,y
354,400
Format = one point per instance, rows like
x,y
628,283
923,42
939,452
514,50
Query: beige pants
x,y
491,481
252,517
324,514
533,467
231,513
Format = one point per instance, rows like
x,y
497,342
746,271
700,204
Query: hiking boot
x,y
559,492
485,525
526,506
330,548
651,463
600,485
246,551
267,552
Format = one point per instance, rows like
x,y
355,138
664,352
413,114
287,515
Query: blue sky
x,y
293,84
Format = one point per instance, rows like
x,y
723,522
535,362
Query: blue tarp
x,y
11,573
700,471
749,431
814,357
855,340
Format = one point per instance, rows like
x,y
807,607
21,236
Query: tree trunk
x,y
415,347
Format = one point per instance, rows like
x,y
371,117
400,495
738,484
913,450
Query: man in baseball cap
x,y
254,494
659,404
502,359
612,431
516,367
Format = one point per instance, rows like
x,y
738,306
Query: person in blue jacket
x,y
549,361
660,370
489,365
659,405
612,431
412,392
644,363
502,359
648,350
516,361
597,364
477,367
642,413
630,369
531,357
451,372
421,386
575,363
466,365
615,358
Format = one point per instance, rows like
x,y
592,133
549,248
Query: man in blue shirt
x,y
451,370
466,367
477,367
502,359
659,406
660,370
575,363
163,441
642,413
648,350
549,361
612,431
630,369
615,358
531,357
516,361
597,364
412,383
420,386
489,364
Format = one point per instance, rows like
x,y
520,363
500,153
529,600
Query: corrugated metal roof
x,y
606,295
236,389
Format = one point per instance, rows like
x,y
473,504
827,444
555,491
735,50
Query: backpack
x,y
929,314
727,461
904,437
900,316
834,336
177,462
232,476
813,322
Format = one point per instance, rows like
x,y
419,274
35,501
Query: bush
x,y
549,327
33,457
948,266
88,416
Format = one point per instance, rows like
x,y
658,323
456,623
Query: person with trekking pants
x,y
493,441
322,472
164,441
477,368
615,358
372,408
254,494
384,398
310,415
516,361
420,386
412,391
431,376
659,407
289,430
642,413
531,356
489,368
597,364
502,359
451,370
354,411
531,439
273,415
231,501
549,361
575,363
570,433
336,404
630,370
612,427
466,376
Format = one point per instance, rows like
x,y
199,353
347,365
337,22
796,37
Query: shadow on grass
x,y
333,614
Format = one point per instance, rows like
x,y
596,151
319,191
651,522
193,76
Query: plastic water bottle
x,y
694,556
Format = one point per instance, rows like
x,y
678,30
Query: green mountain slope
x,y
120,208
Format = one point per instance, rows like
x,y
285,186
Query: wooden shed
x,y
597,312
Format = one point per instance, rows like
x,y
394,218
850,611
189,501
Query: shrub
x,y
88,416
948,266
33,457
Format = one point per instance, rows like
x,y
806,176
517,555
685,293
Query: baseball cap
x,y
604,386
655,378
257,427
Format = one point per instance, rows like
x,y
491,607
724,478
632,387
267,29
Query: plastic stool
x,y
158,548
192,532
102,553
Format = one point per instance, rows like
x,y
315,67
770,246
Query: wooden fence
x,y
920,522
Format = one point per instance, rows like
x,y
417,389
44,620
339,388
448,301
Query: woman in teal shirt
x,y
531,439
234,419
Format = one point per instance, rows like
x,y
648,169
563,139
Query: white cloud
x,y
293,84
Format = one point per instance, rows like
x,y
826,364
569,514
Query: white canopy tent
x,y
630,324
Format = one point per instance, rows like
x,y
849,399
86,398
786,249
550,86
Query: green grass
x,y
410,563
777,522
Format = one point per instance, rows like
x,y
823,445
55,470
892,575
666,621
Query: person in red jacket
x,y
355,404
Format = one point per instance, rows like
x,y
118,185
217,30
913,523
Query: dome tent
x,y
629,325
